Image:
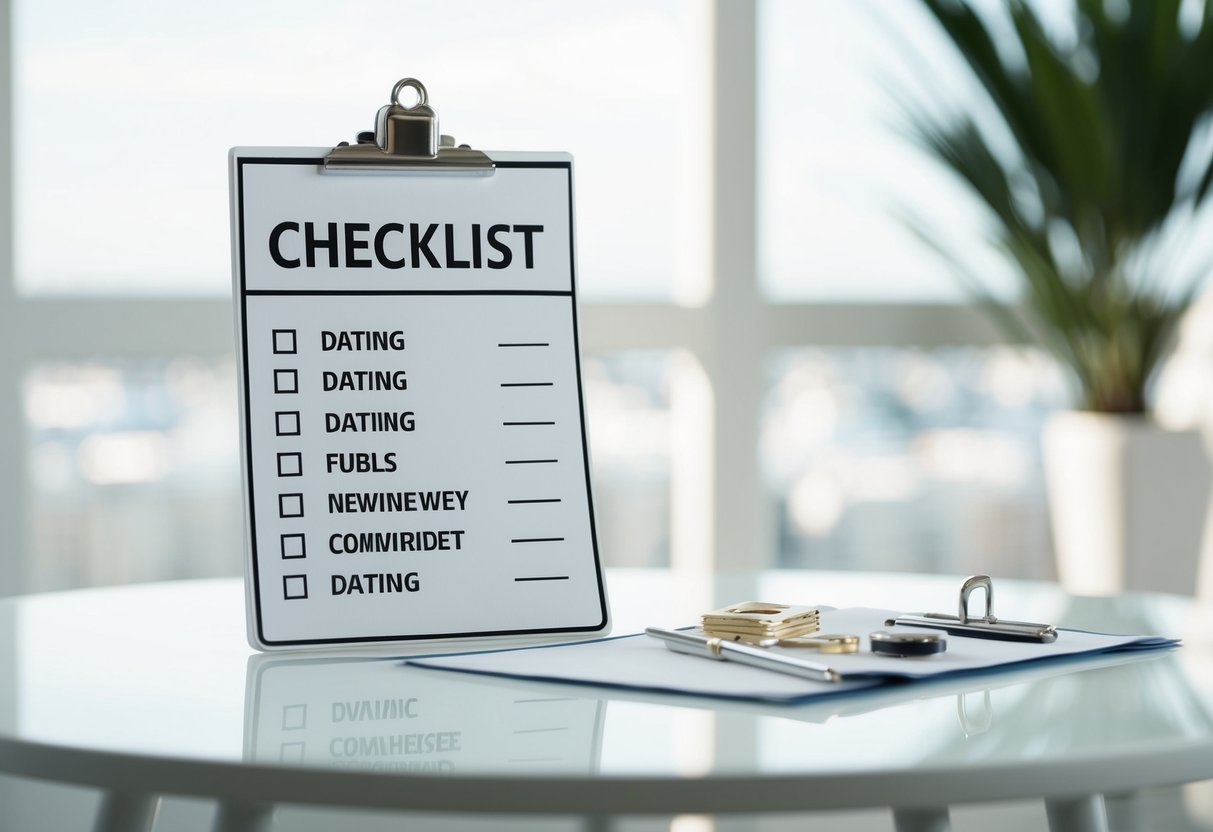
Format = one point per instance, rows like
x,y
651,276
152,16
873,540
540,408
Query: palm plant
x,y
1110,159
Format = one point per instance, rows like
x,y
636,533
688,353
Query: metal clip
x,y
981,723
407,139
987,626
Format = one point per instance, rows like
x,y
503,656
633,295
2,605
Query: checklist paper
x,y
413,430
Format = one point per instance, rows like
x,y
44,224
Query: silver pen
x,y
696,644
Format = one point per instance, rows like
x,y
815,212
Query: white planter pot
x,y
1128,501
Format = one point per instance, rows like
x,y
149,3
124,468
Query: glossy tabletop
x,y
154,685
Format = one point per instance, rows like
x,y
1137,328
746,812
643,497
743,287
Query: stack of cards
x,y
756,621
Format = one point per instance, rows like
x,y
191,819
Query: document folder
x,y
640,663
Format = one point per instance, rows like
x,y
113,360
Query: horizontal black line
x,y
536,539
289,292
518,424
541,730
533,164
304,160
548,699
544,578
527,461
528,383
278,160
531,344
539,500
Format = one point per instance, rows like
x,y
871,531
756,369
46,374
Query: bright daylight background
x,y
807,389
777,374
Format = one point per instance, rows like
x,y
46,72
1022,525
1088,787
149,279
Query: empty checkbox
x,y
284,342
290,464
290,505
286,381
293,546
294,717
286,423
294,587
292,752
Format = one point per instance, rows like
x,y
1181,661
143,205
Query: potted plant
x,y
1093,174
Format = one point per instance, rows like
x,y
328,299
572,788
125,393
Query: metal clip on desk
x,y
407,139
985,627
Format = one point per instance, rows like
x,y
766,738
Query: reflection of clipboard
x,y
415,452
376,716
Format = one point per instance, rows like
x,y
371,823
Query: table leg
x,y
124,812
1077,814
922,820
243,817
597,823
1124,812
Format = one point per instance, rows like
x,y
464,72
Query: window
x,y
687,119
880,457
131,198
835,171
126,424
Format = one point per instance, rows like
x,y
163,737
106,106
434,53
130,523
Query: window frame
x,y
730,335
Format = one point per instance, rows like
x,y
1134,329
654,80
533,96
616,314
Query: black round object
x,y
907,643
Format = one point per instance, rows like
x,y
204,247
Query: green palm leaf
x,y
1104,127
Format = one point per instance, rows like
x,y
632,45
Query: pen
x,y
714,648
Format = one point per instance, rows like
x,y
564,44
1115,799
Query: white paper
x,y
416,461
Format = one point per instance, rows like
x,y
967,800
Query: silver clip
x,y
979,725
407,139
987,626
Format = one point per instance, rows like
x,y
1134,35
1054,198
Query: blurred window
x,y
124,112
135,472
909,459
852,454
835,173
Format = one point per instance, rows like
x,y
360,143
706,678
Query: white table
x,y
150,690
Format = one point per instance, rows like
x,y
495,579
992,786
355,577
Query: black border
x,y
240,162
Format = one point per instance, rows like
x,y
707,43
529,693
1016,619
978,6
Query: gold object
x,y
831,643
754,621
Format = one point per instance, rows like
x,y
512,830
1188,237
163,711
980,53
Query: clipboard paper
x,y
640,663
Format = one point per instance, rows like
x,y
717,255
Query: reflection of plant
x,y
1100,166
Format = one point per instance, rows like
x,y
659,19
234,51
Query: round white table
x,y
152,689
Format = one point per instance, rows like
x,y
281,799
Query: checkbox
x,y
293,546
290,465
286,423
294,587
286,381
290,505
292,752
294,717
284,342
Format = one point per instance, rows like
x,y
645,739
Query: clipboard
x,y
641,663
415,453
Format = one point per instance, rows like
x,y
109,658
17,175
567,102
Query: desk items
x,y
822,642
985,627
756,621
907,643
412,424
672,661
712,647
773,625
